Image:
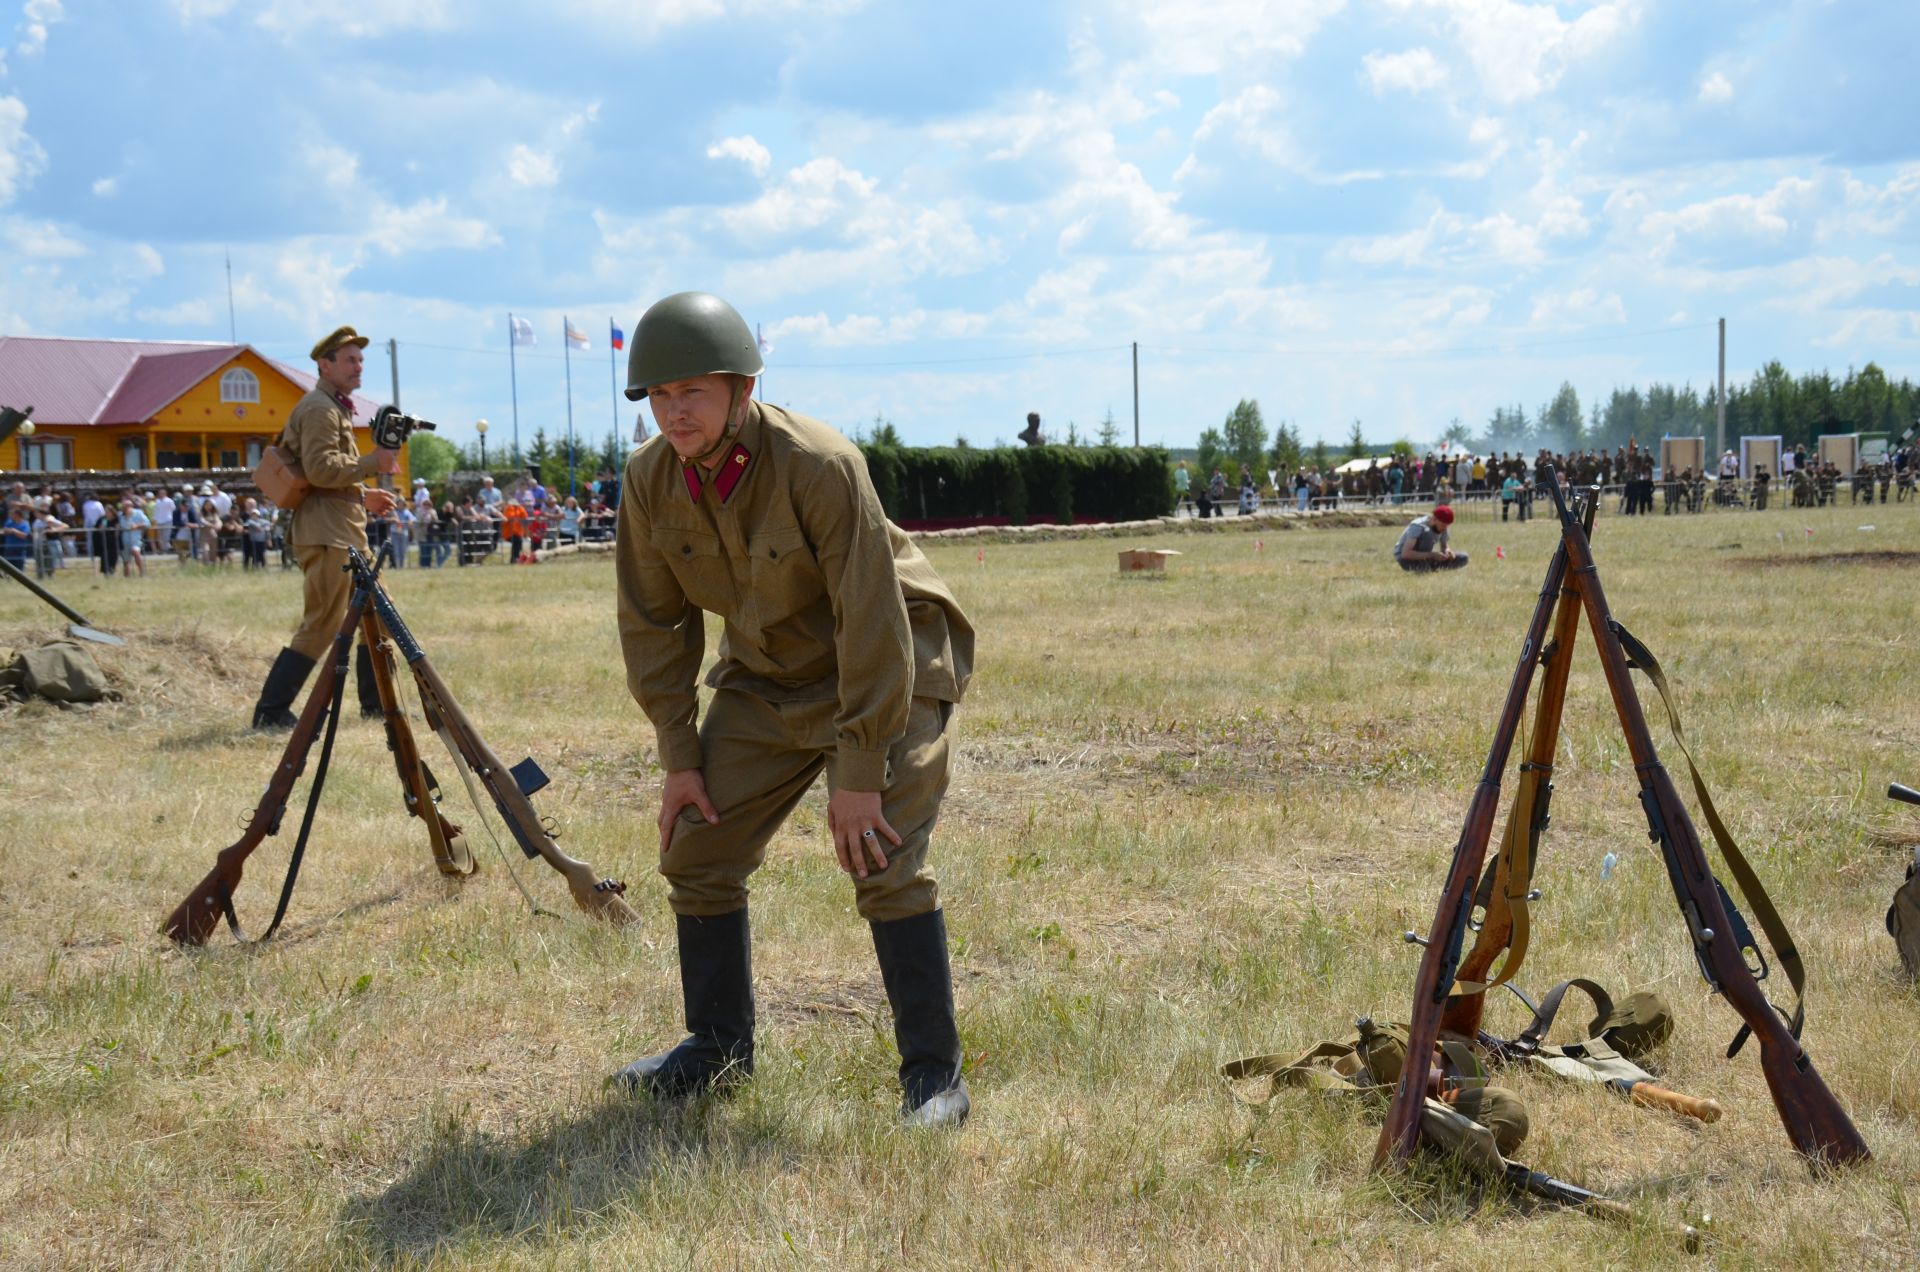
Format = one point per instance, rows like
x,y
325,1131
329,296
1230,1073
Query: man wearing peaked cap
x,y
331,519
843,653
336,340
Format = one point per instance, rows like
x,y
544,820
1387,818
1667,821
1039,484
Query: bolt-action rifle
x,y
1506,890
194,919
1441,957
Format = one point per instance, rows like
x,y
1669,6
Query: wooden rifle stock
x,y
1816,1124
450,853
195,918
599,897
1526,823
1441,956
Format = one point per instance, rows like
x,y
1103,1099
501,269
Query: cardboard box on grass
x,y
1148,561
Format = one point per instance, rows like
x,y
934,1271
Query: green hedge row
x,y
1024,484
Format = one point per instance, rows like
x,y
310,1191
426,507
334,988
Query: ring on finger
x,y
868,834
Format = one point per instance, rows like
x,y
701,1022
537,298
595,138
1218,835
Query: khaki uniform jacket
x,y
320,431
823,598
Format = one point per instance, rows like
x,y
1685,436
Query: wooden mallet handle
x,y
1646,1093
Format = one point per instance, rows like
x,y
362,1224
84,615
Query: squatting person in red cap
x,y
1423,544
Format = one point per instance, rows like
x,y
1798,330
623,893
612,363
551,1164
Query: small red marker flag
x,y
1499,553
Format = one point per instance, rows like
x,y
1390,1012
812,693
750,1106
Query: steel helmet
x,y
686,335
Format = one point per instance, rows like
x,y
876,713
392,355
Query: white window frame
x,y
33,454
240,385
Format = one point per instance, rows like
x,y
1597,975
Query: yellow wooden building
x,y
138,405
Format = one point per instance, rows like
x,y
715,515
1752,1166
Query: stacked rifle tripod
x,y
1450,992
372,616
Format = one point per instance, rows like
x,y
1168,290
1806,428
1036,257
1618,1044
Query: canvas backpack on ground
x,y
60,671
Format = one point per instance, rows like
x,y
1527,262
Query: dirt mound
x,y
1883,557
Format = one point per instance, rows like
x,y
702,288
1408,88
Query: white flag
x,y
576,338
766,346
522,331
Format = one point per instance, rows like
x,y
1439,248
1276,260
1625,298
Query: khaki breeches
x,y
759,758
328,588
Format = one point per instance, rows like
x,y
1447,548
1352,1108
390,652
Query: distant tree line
x,y
434,457
1771,403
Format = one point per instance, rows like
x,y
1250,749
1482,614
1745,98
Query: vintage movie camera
x,y
392,427
12,421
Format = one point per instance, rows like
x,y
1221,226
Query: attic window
x,y
239,385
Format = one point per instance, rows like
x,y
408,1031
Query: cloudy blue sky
x,y
1397,211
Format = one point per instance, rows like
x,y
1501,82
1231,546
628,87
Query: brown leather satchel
x,y
282,480
280,477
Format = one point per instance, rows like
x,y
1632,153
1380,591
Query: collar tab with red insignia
x,y
728,476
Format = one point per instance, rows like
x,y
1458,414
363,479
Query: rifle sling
x,y
313,805
1641,658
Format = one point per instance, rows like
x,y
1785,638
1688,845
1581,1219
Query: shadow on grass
x,y
475,1187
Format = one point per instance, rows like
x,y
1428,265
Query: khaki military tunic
x,y
320,432
842,651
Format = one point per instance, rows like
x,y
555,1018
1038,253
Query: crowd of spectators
x,y
50,528
1512,480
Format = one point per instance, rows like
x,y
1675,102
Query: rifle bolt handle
x,y
1706,934
1535,895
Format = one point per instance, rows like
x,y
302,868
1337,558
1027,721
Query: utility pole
x,y
1136,393
1720,402
393,360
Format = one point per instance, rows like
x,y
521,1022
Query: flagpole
x,y
513,379
613,381
566,346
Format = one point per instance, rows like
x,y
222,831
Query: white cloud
x,y
21,157
426,226
1768,217
535,169
1413,71
1450,239
150,262
1716,88
1581,307
196,311
42,240
296,18
819,191
36,17
1207,39
579,120
1521,50
748,151
106,187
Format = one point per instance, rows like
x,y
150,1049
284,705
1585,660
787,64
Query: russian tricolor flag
x,y
619,337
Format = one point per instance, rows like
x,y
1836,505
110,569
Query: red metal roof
x,y
69,382
156,379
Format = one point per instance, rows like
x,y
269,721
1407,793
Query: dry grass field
x,y
1189,820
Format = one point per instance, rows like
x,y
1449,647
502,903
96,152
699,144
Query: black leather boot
x,y
284,680
363,680
913,963
716,984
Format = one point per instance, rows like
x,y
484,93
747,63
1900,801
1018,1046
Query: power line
x,y
1376,352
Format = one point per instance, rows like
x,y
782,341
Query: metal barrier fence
x,y
1667,498
468,543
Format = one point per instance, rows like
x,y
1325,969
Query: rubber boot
x,y
913,963
716,986
284,680
368,687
